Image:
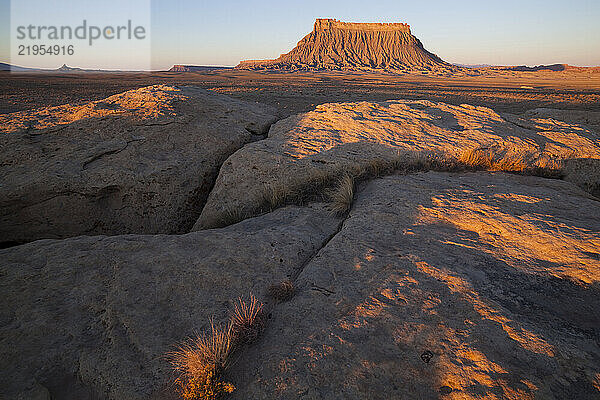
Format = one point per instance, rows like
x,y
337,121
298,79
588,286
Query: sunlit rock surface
x,y
453,286
138,162
336,138
94,317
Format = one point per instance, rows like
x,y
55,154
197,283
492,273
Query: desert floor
x,y
291,93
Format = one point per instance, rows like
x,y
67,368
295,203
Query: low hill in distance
x,y
62,68
196,68
549,67
16,68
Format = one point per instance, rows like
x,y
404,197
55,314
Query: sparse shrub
x,y
342,195
282,291
200,363
247,321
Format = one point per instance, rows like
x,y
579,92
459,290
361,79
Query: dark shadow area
x,y
9,244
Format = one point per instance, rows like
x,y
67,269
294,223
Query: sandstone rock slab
x,y
450,286
93,317
338,138
584,118
139,162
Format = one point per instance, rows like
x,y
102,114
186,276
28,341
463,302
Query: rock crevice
x,y
142,161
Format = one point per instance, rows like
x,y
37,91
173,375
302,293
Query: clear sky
x,y
508,32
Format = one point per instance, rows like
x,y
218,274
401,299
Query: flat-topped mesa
x,y
353,46
322,24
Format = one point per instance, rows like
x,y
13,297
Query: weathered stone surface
x,y
139,162
336,138
453,286
95,316
585,172
589,119
336,45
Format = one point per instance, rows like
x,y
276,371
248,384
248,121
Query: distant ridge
x,y
195,68
336,45
15,68
552,67
66,68
63,68
474,66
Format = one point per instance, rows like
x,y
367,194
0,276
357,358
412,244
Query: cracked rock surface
x,y
95,316
453,286
138,162
338,137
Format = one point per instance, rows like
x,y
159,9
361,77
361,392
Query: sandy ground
x,y
297,92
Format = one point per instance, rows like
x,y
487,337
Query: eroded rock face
x,y
139,162
93,317
336,45
442,285
338,138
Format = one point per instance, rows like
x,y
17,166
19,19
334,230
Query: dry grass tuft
x,y
342,195
206,386
509,165
476,159
273,196
247,321
323,184
231,216
313,187
200,363
485,159
376,168
432,162
282,291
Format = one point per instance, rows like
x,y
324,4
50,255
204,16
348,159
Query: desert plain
x,y
291,93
